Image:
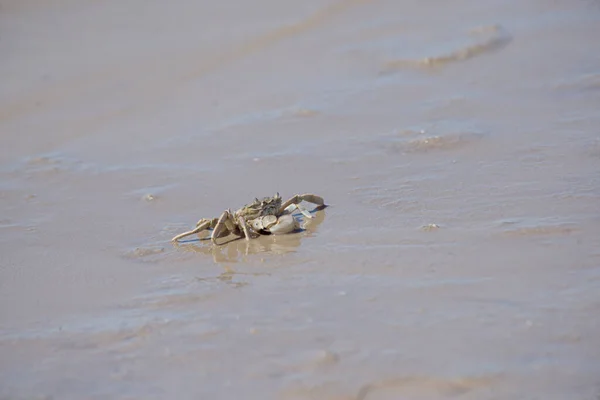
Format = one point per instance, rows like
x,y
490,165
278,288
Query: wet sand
x,y
457,144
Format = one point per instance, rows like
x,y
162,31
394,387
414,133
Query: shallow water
x,y
457,145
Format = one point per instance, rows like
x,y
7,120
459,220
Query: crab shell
x,y
277,226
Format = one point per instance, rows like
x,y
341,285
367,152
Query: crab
x,y
270,215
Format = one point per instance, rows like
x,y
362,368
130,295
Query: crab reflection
x,y
236,248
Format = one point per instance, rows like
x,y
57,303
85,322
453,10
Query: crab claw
x,y
313,198
263,223
285,224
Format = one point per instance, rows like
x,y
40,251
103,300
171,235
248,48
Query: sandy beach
x,y
457,145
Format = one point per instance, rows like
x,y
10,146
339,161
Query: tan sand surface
x,y
457,144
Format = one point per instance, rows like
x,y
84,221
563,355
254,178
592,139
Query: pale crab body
x,y
267,216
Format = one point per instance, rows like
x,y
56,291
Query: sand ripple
x,y
425,385
398,387
146,253
537,227
580,84
425,142
541,230
497,39
442,142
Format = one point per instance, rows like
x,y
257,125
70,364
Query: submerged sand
x,y
456,142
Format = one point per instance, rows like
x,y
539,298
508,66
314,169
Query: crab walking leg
x,y
245,227
299,198
224,224
200,226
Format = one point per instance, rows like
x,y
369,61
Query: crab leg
x,y
225,224
299,198
245,227
200,226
